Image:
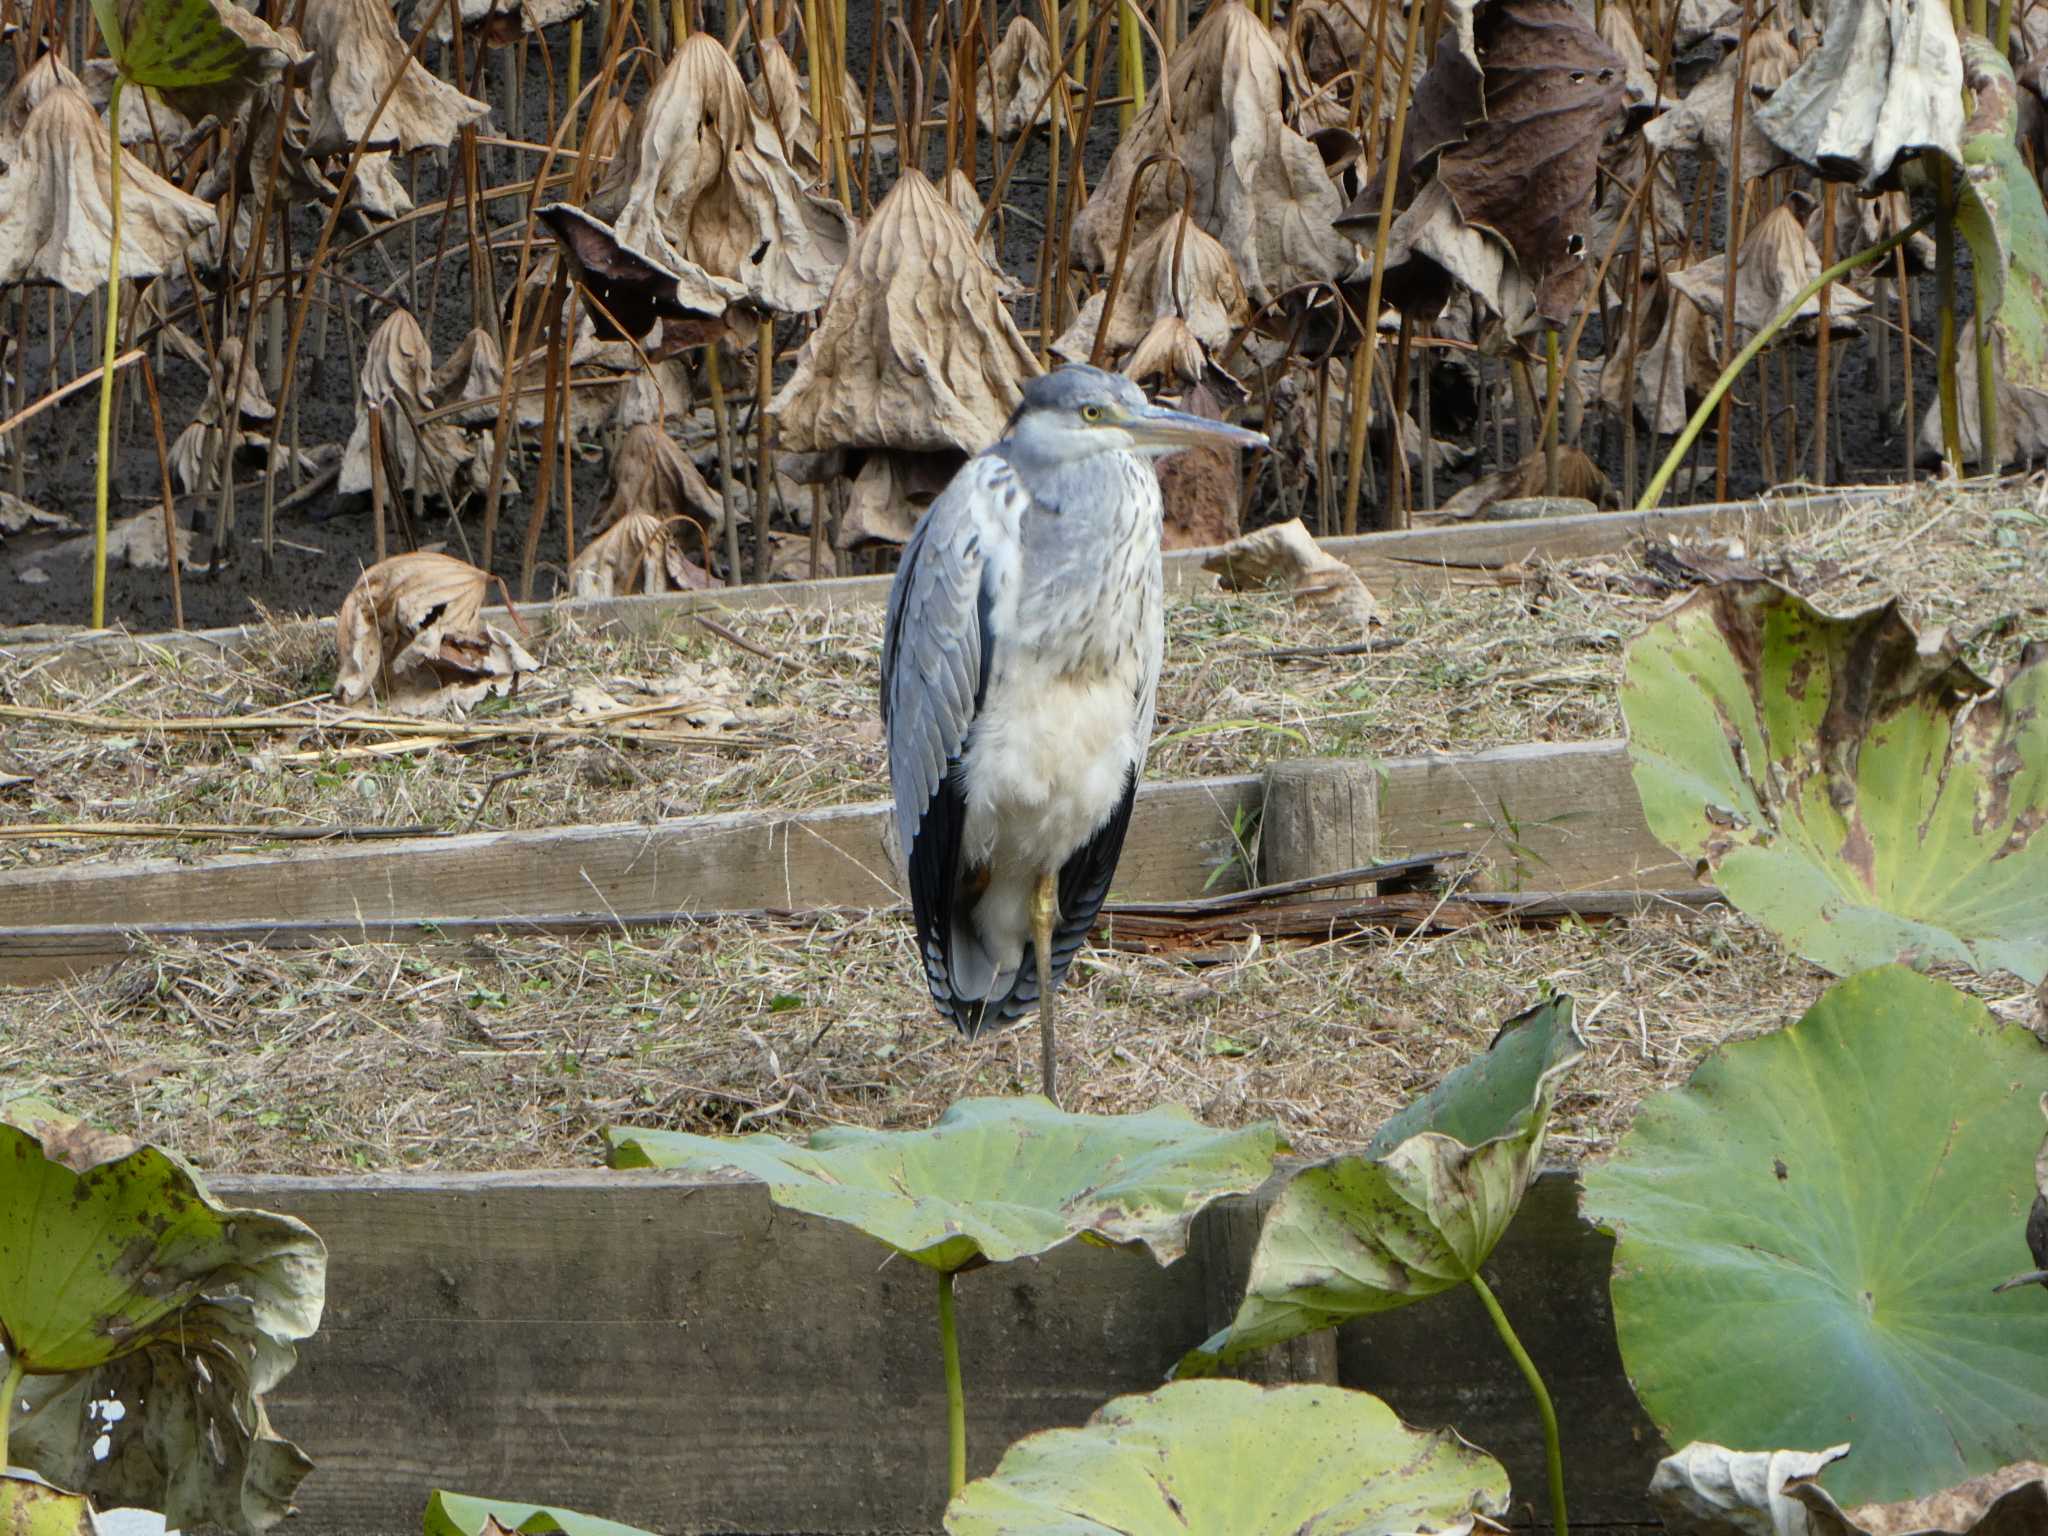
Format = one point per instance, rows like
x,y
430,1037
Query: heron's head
x,y
1077,411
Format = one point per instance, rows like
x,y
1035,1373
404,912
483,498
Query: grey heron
x,y
1020,666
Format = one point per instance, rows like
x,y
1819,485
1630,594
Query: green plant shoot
x,y
166,43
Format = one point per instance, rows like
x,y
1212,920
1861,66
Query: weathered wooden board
x,y
686,1357
1552,817
1420,558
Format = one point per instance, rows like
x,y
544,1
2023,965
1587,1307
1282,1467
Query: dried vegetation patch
x,y
515,1052
775,709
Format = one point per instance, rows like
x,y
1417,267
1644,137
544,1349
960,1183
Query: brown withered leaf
x,y
958,188
1259,184
136,542
916,350
357,54
702,177
397,378
496,23
1709,1490
1526,169
1178,269
1639,70
637,553
633,288
410,633
1578,478
56,212
1015,97
889,495
1676,361
783,98
1432,252
1704,121
651,473
2022,418
1775,262
1885,84
18,516
1287,553
474,376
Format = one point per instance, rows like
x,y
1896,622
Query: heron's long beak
x,y
1155,426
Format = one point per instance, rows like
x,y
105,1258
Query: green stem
x,y
1553,1454
1654,491
956,1398
100,476
13,1394
1945,332
1987,380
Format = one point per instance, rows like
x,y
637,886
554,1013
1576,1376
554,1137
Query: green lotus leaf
x,y
2001,215
1865,799
1226,1458
995,1179
458,1514
147,1316
1809,1232
31,1507
170,43
1418,1210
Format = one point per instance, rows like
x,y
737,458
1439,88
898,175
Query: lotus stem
x,y
1130,68
1553,392
1945,279
1824,361
163,469
15,1369
956,1397
1654,492
1904,291
575,76
103,470
1987,377
719,419
1553,1452
1733,245
1361,374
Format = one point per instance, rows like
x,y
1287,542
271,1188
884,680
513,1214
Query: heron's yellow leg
x,y
1044,907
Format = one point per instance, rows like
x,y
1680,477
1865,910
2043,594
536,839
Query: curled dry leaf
x,y
639,552
475,376
916,355
1512,117
1709,1490
702,177
498,22
136,542
651,473
357,55
410,632
1639,71
1016,94
56,213
635,289
1775,262
1885,84
18,516
1178,269
1704,122
1432,252
398,378
1259,185
889,495
1676,361
1285,552
959,191
1578,478
2022,417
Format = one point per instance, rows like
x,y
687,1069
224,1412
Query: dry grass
x,y
1473,667
517,1052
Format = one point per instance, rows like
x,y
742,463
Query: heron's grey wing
x,y
936,657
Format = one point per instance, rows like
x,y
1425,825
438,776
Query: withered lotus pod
x,y
701,177
1179,269
1259,186
398,378
357,53
1775,262
1016,96
56,217
915,351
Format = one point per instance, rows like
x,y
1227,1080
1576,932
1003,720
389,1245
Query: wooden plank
x,y
684,1356
1554,817
1421,558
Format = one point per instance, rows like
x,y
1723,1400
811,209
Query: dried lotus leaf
x,y
1259,185
56,213
702,178
916,350
1178,269
357,54
1017,94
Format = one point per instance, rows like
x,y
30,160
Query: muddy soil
x,y
323,543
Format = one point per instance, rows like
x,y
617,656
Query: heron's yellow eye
x,y
1091,413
